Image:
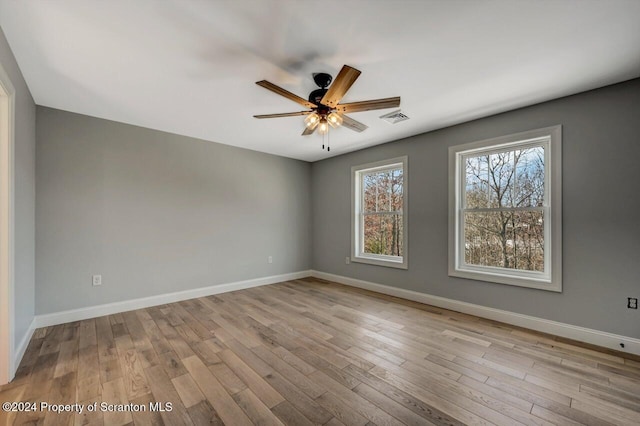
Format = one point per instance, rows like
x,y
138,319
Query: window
x,y
505,210
379,221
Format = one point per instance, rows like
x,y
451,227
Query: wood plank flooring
x,y
311,352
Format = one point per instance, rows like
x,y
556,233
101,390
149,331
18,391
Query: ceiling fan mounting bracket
x,y
322,79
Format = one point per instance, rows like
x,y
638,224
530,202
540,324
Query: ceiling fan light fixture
x,y
311,120
323,127
334,119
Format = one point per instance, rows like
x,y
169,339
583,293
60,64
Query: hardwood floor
x,y
311,352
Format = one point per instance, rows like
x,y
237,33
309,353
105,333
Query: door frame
x,y
7,153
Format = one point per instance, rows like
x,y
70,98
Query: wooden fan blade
x,y
369,105
346,77
352,124
309,130
287,94
284,114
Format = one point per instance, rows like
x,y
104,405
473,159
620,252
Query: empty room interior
x,y
287,212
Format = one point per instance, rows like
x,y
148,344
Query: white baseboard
x,y
160,299
582,334
21,348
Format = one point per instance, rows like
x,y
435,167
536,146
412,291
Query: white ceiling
x,y
189,67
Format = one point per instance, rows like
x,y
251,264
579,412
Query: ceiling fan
x,y
324,104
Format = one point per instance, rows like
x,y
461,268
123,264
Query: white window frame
x,y
7,225
551,278
357,237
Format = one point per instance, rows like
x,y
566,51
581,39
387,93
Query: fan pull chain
x,y
328,141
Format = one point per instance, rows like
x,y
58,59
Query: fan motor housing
x,y
317,95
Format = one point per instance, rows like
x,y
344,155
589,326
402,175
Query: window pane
x,y
383,191
397,190
501,179
383,234
489,180
511,240
477,182
530,177
370,198
529,247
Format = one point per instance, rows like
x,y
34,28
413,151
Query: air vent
x,y
394,117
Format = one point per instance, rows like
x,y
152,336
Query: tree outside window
x,y
504,209
382,212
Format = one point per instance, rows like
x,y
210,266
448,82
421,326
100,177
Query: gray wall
x,y
601,211
154,212
24,168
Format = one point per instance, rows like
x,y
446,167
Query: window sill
x,y
539,284
398,264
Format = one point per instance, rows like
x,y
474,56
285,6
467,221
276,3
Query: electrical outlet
x,y
632,302
270,259
347,260
97,280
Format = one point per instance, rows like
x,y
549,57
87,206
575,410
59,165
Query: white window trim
x,y
356,235
551,279
7,153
